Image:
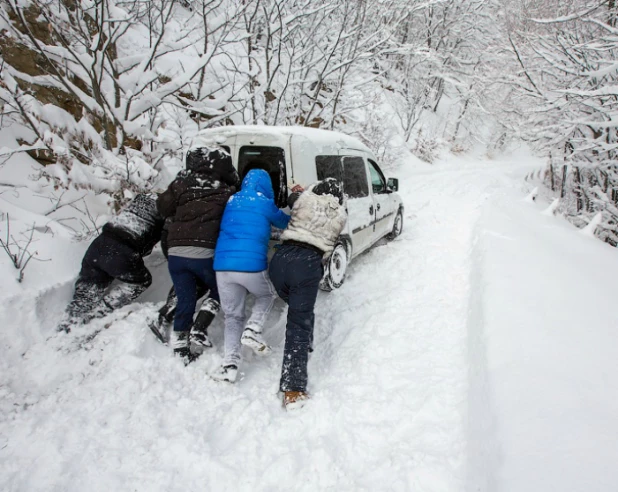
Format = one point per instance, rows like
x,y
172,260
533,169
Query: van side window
x,y
377,178
272,160
350,170
329,166
355,177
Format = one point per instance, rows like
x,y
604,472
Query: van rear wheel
x,y
334,273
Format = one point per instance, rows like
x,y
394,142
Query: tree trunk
x,y
578,188
564,179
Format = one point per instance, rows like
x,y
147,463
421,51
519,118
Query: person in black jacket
x,y
195,202
117,253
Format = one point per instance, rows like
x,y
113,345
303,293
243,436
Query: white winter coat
x,y
317,220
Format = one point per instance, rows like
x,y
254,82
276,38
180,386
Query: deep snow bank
x,y
549,324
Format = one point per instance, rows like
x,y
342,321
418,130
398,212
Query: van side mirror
x,y
392,184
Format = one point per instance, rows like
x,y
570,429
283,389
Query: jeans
x,y
296,273
186,273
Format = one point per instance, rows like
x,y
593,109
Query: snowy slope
x,y
547,317
472,353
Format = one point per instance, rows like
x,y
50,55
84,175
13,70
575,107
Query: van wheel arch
x,y
397,225
337,265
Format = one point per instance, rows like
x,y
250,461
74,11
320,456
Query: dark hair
x,y
329,186
216,162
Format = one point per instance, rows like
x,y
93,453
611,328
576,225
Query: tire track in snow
x,y
483,449
400,360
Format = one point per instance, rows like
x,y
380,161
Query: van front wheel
x,y
397,226
334,273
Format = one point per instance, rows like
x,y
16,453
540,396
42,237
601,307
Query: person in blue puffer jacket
x,y
241,267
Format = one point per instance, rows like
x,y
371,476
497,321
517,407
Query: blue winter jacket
x,y
242,245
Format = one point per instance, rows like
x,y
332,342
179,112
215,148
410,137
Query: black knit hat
x,y
329,186
215,162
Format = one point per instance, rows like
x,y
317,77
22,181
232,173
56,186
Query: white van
x,y
299,155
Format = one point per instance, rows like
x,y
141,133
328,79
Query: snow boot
x,y
252,338
160,329
293,400
180,344
199,330
226,372
168,310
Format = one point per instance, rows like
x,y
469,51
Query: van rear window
x,y
272,160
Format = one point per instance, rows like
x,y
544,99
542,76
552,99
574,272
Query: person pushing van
x,y
116,254
195,200
241,267
317,219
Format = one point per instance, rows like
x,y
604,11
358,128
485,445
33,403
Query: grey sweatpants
x,y
233,289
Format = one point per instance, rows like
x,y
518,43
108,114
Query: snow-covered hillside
x,y
476,352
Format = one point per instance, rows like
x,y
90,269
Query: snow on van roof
x,y
219,135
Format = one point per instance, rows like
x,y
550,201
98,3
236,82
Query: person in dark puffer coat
x,y
195,201
117,253
241,266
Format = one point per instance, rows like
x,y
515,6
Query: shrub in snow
x,y
585,192
426,149
19,250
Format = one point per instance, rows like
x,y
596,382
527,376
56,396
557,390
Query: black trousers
x,y
107,259
296,273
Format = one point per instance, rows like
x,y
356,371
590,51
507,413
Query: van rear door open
x,y
272,160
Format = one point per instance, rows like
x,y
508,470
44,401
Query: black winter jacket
x,y
195,201
138,225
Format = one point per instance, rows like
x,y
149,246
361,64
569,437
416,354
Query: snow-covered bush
x,y
19,249
426,148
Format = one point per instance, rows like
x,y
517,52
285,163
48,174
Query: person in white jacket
x,y
317,219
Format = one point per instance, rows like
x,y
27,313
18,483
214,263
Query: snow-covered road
x,y
403,393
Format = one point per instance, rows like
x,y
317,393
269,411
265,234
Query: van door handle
x,y
371,210
378,206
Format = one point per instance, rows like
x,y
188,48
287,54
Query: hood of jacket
x,y
259,181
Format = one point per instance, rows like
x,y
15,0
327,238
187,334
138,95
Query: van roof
x,y
318,136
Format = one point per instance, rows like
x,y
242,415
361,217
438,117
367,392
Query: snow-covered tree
x,y
89,78
567,56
